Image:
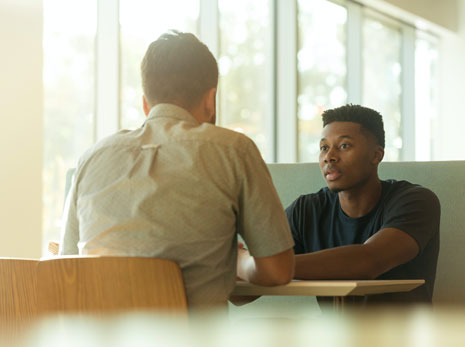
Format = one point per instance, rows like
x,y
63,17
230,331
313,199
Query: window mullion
x,y
271,111
107,69
286,70
408,93
354,53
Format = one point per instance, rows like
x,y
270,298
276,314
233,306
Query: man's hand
x,y
242,256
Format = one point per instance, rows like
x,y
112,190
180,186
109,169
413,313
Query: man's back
x,y
180,190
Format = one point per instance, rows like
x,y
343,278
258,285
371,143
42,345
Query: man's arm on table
x,y
383,251
274,270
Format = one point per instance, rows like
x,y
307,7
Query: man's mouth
x,y
332,174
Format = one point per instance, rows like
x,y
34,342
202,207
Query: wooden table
x,y
338,289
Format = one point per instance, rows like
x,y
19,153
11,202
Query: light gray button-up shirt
x,y
180,190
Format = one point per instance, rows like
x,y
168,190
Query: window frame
x,y
107,69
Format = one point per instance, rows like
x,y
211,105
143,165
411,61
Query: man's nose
x,y
331,156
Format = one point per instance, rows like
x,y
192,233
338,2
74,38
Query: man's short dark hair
x,y
370,120
177,68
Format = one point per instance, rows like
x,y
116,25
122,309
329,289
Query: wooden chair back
x,y
109,284
18,300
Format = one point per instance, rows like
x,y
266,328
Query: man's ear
x,y
145,105
378,155
210,105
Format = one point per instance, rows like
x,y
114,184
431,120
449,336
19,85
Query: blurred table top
x,y
328,288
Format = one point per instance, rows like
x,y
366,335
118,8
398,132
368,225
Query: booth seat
x,y
444,178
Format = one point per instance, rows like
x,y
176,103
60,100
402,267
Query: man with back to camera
x,y
180,187
360,227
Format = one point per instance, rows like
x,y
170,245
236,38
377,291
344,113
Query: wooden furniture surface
x,y
18,286
336,288
18,300
109,284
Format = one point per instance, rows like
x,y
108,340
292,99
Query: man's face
x,y
349,157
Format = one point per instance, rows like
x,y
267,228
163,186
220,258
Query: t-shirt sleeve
x,y
416,211
293,213
261,220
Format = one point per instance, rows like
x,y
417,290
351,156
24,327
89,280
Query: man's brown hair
x,y
177,68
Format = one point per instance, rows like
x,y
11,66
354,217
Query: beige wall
x,y
440,12
22,129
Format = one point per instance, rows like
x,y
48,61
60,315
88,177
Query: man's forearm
x,y
347,262
383,251
267,271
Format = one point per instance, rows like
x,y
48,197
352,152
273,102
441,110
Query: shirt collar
x,y
171,111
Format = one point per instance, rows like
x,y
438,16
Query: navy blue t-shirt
x,y
317,222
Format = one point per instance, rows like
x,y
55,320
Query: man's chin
x,y
334,188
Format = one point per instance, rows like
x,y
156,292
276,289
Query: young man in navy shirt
x,y
360,227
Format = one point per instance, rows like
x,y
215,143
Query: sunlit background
x,y
322,69
243,35
141,22
69,98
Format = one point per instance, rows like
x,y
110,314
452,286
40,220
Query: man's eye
x,y
344,146
323,148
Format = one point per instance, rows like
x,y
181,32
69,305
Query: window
x,y
244,64
321,64
142,22
69,34
382,79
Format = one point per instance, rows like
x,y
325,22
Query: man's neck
x,y
360,200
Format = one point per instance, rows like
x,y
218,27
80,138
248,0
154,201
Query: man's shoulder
x,y
111,143
223,136
402,188
405,195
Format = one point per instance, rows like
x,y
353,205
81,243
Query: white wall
x,y
21,128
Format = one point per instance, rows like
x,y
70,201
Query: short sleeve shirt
x,y
317,222
179,190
